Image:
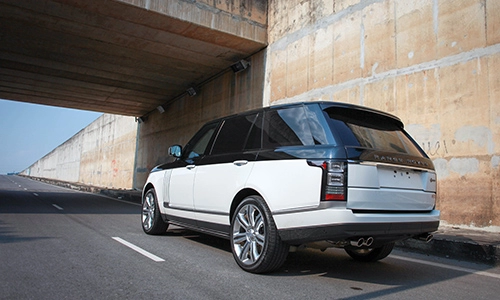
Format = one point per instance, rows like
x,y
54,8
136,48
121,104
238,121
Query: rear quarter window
x,y
286,127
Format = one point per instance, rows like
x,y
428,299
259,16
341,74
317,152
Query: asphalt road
x,y
62,244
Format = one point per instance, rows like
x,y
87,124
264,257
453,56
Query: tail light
x,y
334,180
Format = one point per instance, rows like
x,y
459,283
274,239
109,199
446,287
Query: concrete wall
x,y
227,94
434,63
102,154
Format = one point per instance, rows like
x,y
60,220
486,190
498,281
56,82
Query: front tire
x,y
255,242
152,223
371,254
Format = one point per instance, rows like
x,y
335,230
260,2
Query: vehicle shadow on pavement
x,y
336,263
212,241
394,275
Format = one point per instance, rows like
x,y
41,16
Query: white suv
x,y
320,174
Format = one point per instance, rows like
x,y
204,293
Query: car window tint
x,y
233,134
198,145
254,140
371,131
318,126
286,127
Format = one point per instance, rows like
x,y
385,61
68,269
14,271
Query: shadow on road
x,y
395,276
69,202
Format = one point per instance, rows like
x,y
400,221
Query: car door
x,y
223,173
182,178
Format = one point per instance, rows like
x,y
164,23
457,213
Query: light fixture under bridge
x,y
240,66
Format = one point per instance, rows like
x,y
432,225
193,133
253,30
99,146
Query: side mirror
x,y
175,151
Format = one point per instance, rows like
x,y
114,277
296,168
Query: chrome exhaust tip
x,y
357,243
362,242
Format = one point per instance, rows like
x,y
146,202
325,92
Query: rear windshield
x,y
369,130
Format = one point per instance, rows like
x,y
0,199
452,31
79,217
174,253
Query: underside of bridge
x,y
121,56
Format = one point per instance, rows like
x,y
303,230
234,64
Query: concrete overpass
x,y
121,56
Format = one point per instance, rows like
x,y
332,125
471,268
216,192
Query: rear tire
x,y
255,242
371,254
152,223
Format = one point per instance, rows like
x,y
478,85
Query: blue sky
x,y
30,131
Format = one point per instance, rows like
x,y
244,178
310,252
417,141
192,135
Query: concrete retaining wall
x,y
434,63
102,154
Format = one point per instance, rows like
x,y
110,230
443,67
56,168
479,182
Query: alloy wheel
x,y
148,211
249,234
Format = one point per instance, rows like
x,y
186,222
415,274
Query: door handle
x,y
190,167
240,162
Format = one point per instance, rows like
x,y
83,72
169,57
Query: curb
x,y
466,245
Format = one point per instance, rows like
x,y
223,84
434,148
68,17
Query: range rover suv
x,y
317,174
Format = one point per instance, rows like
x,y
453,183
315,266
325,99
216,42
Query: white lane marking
x,y
140,250
466,270
58,207
35,194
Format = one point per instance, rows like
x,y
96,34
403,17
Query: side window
x,y
233,134
254,140
286,127
198,144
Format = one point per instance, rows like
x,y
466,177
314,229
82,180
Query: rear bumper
x,y
337,224
381,232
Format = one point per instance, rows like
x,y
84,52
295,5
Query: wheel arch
x,y
147,187
239,198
